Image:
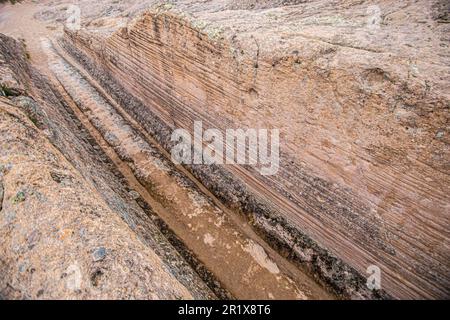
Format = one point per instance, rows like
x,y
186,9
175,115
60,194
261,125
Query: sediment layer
x,y
364,158
358,90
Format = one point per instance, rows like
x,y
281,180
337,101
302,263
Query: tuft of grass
x,y
19,197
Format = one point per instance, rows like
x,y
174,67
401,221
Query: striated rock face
x,y
360,95
68,226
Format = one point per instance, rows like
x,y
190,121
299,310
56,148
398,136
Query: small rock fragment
x,y
134,195
60,177
440,134
99,254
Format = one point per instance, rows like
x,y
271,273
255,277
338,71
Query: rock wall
x,y
363,115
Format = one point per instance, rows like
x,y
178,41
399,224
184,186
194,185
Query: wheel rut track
x,y
226,253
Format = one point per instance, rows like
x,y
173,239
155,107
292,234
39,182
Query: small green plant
x,y
19,197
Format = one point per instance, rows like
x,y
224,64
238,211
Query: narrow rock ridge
x,y
334,217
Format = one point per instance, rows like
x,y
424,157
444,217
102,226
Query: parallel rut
x,y
241,264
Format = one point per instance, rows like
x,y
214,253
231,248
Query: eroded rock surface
x,y
363,112
68,227
358,89
52,224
